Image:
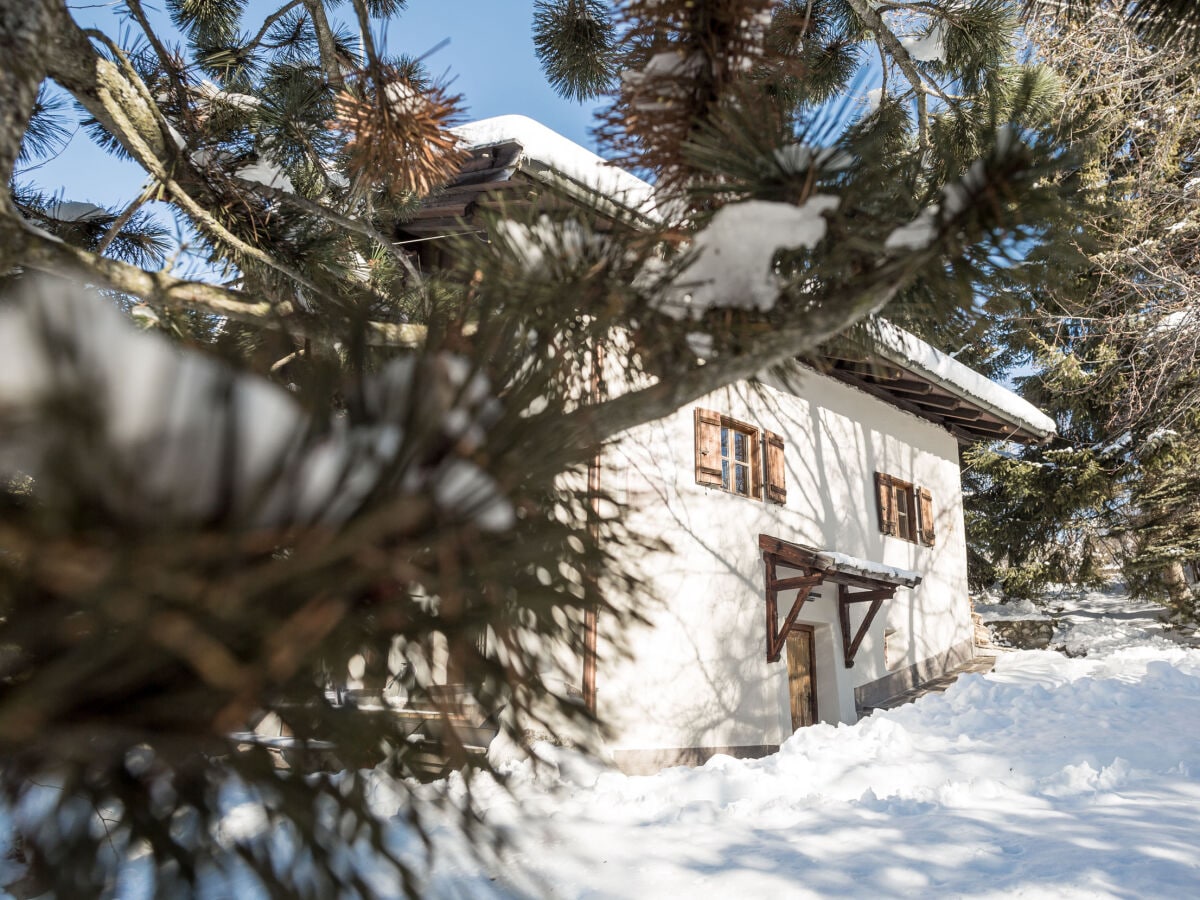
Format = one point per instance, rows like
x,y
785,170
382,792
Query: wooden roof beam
x,y
965,432
960,413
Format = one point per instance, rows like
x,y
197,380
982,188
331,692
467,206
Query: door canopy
x,y
858,581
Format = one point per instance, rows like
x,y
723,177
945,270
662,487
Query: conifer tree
x,y
345,456
1114,345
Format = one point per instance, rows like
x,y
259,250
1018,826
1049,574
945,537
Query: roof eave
x,y
1024,430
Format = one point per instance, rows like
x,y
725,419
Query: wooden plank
x,y
906,386
925,518
800,581
802,690
868,596
475,187
850,644
928,399
859,581
961,414
499,156
789,554
884,505
775,477
772,604
790,619
708,447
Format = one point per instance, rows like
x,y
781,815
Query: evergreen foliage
x,y
574,41
350,456
1113,343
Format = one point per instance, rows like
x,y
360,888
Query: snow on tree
x,y
346,456
1112,339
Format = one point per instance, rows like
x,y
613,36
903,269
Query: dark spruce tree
x,y
1113,346
322,454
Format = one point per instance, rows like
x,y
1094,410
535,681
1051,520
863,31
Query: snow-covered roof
x,y
852,565
548,151
548,155
911,353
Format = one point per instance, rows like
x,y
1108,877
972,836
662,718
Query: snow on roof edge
x,y
567,158
909,351
853,565
563,156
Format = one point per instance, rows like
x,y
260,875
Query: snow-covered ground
x,y
1050,777
1054,776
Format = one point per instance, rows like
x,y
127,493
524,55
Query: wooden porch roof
x,y
874,583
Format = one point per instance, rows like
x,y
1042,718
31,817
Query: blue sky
x,y
489,57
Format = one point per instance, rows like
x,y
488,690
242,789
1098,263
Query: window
x,y
734,457
737,458
905,510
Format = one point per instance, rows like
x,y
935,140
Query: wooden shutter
x,y
708,447
925,508
776,478
887,506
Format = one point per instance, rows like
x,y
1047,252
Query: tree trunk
x,y
1180,600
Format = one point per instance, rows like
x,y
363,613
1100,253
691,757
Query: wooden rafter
x,y
955,414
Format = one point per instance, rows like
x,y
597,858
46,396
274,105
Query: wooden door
x,y
802,674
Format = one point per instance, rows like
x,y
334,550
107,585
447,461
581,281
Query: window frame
x,y
752,463
904,497
915,523
766,471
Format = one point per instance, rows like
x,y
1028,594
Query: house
x,y
818,563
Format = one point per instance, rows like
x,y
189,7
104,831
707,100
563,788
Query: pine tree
x,y
349,457
1114,344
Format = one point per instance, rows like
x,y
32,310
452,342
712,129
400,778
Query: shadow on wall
x,y
845,455
699,676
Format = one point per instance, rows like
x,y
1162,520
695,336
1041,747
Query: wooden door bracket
x,y
850,644
803,585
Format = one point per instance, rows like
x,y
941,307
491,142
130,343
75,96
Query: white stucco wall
x,y
697,675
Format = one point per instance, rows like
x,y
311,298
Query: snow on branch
x,y
157,434
734,254
956,197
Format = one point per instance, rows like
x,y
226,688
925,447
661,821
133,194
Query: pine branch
x,y
326,44
199,214
270,21
166,61
123,219
904,61
358,226
133,138
41,252
368,40
574,41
